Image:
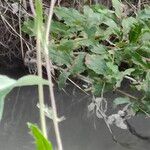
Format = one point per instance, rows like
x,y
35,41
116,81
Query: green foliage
x,y
40,141
118,8
97,41
121,100
135,33
62,79
96,63
7,84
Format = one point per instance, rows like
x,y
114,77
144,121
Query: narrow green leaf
x,y
127,23
121,100
40,141
135,33
137,59
128,71
118,8
29,80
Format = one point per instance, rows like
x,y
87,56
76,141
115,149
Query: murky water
x,y
79,131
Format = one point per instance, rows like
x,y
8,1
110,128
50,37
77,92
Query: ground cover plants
x,y
100,47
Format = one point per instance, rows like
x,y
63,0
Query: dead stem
x,y
20,32
49,68
126,94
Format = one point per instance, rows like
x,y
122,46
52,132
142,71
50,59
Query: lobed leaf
x,y
96,63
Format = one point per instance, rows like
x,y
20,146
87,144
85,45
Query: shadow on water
x,y
79,131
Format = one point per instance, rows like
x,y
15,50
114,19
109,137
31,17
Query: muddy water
x,y
80,131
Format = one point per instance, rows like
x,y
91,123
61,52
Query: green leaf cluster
x,y
96,42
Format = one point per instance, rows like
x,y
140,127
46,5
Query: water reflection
x,y
79,131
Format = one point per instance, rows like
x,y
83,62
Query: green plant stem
x,y
40,87
49,68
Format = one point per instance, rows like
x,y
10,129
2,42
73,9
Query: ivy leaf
x,y
114,68
96,63
113,74
97,88
66,45
92,18
78,65
70,16
58,27
40,141
90,32
62,79
99,49
83,42
60,57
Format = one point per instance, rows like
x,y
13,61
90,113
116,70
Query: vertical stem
x,y
40,87
139,5
49,68
53,103
20,32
